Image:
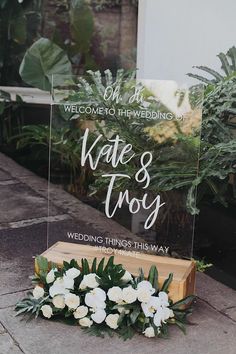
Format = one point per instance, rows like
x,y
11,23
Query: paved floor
x,y
22,237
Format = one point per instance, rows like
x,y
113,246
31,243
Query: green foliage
x,y
153,277
42,60
81,21
228,66
202,266
218,146
43,266
30,306
167,283
19,24
46,58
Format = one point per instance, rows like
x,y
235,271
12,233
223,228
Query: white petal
x,y
163,298
99,316
157,319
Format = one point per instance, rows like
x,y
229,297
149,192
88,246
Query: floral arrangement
x,y
104,298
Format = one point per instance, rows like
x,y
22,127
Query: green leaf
x,y
200,78
232,54
121,318
225,66
134,314
94,266
210,71
181,326
141,276
42,263
110,263
184,302
100,267
167,283
126,332
42,60
85,266
153,277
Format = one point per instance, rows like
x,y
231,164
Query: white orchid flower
x,y
149,308
99,316
145,291
72,273
96,299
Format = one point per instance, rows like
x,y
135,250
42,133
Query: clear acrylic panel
x,y
126,150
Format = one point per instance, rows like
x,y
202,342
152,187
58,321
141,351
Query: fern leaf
x,y
200,78
210,71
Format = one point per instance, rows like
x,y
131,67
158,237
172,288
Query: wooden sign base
x,y
184,271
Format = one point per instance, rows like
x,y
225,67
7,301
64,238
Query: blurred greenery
x,y
218,147
19,25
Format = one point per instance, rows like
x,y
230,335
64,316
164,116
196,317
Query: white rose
x,y
112,320
115,294
51,276
38,292
127,277
81,312
89,281
96,299
85,322
47,311
72,301
73,273
99,316
129,295
149,332
59,301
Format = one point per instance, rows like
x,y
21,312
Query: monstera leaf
x,y
42,60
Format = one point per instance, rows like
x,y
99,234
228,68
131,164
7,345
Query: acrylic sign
x,y
126,152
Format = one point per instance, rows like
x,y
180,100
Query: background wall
x,y
171,39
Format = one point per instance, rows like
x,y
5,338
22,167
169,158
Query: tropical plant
x,y
49,56
42,60
19,24
228,66
218,147
65,153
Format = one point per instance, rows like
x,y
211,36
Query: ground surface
x,y
23,230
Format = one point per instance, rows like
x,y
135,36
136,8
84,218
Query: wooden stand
x,y
183,283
